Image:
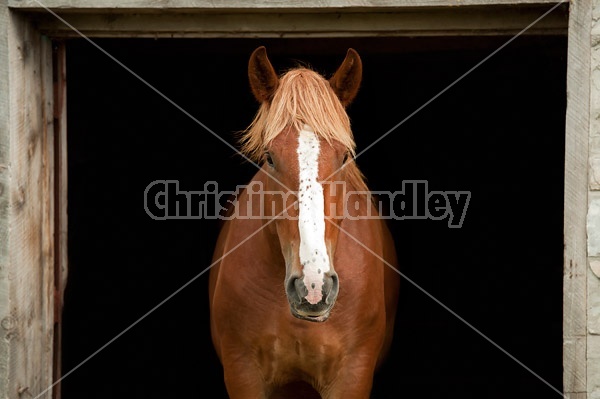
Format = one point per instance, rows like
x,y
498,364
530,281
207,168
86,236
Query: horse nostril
x,y
295,289
331,287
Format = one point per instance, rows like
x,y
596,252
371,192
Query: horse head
x,y
302,136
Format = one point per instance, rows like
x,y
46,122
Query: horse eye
x,y
269,159
346,156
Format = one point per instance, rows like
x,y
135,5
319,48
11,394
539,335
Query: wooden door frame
x,y
33,180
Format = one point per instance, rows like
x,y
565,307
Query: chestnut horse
x,y
302,302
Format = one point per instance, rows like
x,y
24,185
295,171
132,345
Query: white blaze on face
x,y
311,217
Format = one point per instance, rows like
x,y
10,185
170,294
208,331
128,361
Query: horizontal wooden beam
x,y
431,22
269,5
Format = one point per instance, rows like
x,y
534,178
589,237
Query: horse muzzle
x,y
297,294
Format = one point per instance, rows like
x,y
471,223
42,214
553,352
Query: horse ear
x,y
346,80
262,76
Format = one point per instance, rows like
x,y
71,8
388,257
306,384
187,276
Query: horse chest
x,y
282,358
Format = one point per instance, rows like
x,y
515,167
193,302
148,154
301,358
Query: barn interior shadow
x,y
499,133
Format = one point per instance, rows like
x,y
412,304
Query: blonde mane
x,y
303,97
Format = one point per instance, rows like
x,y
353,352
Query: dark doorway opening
x,y
499,133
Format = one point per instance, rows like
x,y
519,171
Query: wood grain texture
x,y
60,206
593,303
594,174
261,4
449,21
574,355
593,372
5,319
28,331
576,197
575,395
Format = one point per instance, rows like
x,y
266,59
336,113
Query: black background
x,y
499,133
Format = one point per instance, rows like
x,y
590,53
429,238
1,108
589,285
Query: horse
x,y
302,298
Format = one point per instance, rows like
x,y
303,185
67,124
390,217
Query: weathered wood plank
x,y
574,350
595,101
5,319
261,4
437,22
575,395
576,197
593,355
60,129
593,227
31,238
48,209
60,206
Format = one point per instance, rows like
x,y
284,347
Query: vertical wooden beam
x,y
5,319
593,227
576,200
60,201
26,209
